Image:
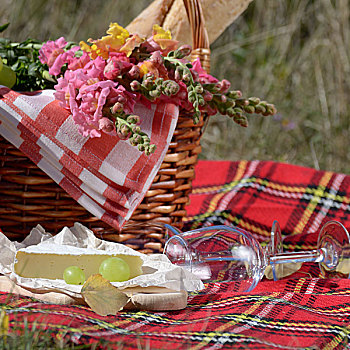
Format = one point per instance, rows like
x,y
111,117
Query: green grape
x,y
74,275
7,75
115,269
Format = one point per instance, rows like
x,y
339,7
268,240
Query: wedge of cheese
x,y
50,261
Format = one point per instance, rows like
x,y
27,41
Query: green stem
x,y
191,82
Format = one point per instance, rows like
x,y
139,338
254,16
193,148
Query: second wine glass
x,y
224,253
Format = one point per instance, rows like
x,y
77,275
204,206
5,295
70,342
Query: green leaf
x,y
32,69
4,27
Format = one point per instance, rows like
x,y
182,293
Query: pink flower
x,y
92,99
154,65
94,69
53,54
67,87
203,75
75,63
126,98
160,41
51,49
117,65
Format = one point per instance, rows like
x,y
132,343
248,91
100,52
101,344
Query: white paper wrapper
x,y
160,272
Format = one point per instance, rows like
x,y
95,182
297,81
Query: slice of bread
x,y
171,14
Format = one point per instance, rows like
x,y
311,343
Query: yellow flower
x,y
130,44
148,67
91,50
109,43
118,32
160,33
4,323
163,38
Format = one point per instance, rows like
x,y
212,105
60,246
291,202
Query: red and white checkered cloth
x,y
106,175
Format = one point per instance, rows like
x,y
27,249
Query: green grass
x,y
293,53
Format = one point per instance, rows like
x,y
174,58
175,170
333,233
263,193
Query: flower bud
x,y
106,125
249,109
148,83
125,130
192,96
141,147
225,85
196,117
159,81
136,139
230,103
133,119
170,87
157,58
121,136
186,78
260,109
145,139
241,120
133,142
254,100
155,93
271,109
217,87
234,94
199,89
177,74
242,102
134,72
221,108
230,112
237,111
117,108
136,129
150,149
207,96
201,100
135,85
185,50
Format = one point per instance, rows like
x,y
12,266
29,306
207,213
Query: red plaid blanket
x,y
302,311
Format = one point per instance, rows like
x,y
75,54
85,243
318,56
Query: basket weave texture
x,y
29,197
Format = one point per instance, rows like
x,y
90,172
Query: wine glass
x,y
223,253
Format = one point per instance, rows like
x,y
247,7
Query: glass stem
x,y
316,255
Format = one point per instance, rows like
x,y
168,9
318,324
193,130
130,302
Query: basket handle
x,y
200,39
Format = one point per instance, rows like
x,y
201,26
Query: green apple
x,y
7,75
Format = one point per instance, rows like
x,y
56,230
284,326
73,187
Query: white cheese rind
x,y
34,262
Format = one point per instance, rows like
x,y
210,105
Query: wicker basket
x,y
29,196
